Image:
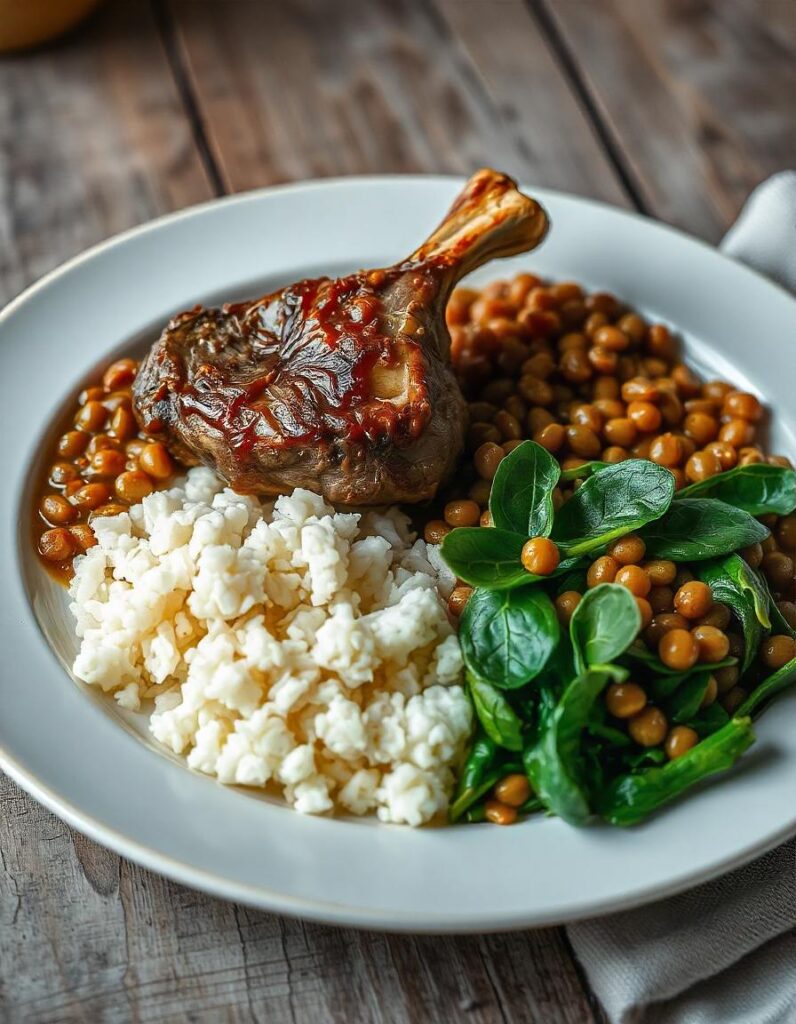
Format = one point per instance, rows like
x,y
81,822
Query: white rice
x,y
282,644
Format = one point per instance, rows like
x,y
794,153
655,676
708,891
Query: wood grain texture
x,y
92,140
698,96
286,91
527,87
86,936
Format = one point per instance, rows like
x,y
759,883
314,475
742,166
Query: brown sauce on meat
x,y
306,368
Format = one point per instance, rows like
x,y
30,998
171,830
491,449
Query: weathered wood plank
x,y
698,95
85,936
93,139
532,98
289,91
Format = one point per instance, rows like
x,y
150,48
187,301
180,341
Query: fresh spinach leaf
x,y
531,806
486,764
583,471
611,503
661,687
479,774
558,672
742,578
497,717
769,687
522,492
642,653
664,685
779,624
555,762
470,796
573,579
488,557
695,529
481,758
735,583
709,720
507,636
609,733
485,557
687,699
758,489
631,798
603,625
643,758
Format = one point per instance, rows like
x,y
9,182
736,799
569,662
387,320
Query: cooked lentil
x,y
99,464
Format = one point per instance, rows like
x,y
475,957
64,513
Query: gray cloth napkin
x,y
764,236
724,953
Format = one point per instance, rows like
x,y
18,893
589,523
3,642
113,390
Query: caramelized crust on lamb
x,y
343,385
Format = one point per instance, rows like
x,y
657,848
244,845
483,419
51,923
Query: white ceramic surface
x,y
67,747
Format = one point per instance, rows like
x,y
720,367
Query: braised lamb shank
x,y
342,386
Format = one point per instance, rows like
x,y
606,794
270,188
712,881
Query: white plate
x,y
67,748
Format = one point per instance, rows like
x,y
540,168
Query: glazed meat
x,y
342,386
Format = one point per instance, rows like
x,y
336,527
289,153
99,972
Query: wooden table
x,y
673,108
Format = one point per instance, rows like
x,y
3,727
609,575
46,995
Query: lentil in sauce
x,y
100,464
587,377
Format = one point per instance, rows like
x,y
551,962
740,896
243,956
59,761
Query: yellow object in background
x,y
30,22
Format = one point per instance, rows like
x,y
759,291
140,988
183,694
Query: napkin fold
x,y
764,236
725,952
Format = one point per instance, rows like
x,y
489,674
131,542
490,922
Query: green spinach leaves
x,y
521,503
631,798
611,503
603,626
507,637
758,489
555,762
522,492
497,717
536,689
770,687
695,529
486,557
733,582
